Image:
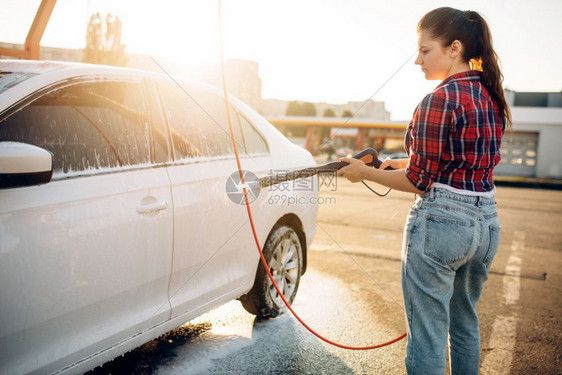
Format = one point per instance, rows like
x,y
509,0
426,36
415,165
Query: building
x,y
49,53
366,110
532,148
242,79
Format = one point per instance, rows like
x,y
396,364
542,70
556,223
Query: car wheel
x,y
283,253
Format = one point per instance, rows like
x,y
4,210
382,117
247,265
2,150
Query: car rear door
x,y
85,260
214,252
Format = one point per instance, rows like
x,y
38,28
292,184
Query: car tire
x,y
284,256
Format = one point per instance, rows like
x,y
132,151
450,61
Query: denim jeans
x,y
449,243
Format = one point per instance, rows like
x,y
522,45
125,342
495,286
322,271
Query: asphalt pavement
x,y
351,294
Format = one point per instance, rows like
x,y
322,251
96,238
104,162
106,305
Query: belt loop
x,y
431,194
479,201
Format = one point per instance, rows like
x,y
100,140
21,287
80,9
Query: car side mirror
x,y
22,164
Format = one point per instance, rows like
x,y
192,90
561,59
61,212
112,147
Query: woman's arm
x,y
394,163
395,179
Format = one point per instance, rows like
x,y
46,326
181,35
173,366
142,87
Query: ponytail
x,y
468,27
492,76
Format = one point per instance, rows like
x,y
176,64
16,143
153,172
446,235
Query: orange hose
x,y
264,262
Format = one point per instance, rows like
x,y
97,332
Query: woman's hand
x,y
355,171
394,163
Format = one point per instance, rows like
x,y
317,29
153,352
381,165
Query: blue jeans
x,y
449,243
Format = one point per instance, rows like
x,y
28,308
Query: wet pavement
x,y
228,340
351,294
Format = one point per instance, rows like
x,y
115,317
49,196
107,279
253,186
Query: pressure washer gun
x,y
369,156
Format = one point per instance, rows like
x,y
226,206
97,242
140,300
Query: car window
x,y
87,126
198,122
254,142
161,149
11,79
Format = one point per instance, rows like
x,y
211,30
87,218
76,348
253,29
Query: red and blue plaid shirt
x,y
454,136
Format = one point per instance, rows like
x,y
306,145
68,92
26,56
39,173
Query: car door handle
x,y
152,207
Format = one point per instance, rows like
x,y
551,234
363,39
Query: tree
x,y
347,113
296,108
329,112
309,109
103,41
293,108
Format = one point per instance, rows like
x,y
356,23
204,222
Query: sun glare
x,y
307,50
185,33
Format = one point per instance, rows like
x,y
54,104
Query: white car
x,y
116,220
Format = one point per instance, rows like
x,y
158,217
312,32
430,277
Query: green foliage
x,y
329,112
293,108
103,41
296,108
347,113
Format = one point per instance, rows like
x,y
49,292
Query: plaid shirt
x,y
454,137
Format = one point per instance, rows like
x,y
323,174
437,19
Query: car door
x,y
214,251
85,260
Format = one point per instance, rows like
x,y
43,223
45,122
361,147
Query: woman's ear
x,y
455,48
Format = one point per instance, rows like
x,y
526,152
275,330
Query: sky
x,y
312,50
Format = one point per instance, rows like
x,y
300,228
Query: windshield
x,y
10,79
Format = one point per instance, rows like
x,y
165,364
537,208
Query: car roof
x,y
42,67
40,74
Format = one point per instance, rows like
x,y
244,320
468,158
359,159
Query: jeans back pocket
x,y
449,240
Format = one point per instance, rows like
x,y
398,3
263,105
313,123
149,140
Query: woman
x,y
452,231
